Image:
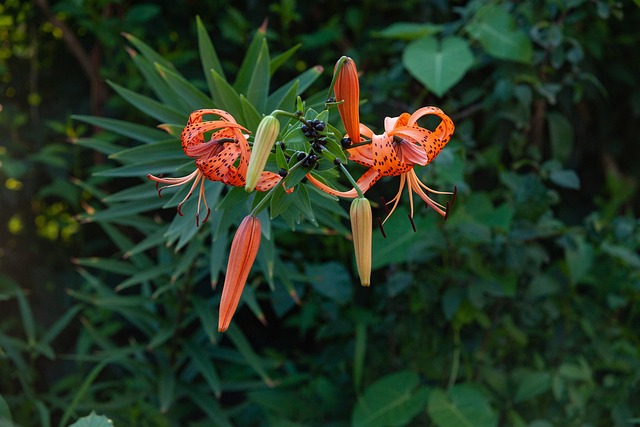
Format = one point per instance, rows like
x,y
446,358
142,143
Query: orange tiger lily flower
x,y
216,158
244,249
347,89
403,145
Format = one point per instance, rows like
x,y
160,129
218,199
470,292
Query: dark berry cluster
x,y
312,128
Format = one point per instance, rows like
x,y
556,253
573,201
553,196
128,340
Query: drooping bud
x,y
347,89
265,138
244,249
361,223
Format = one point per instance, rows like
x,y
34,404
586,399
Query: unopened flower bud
x,y
361,224
265,138
244,249
347,89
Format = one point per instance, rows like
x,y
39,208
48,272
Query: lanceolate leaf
x,y
282,58
258,87
151,107
131,130
208,55
190,94
249,62
438,64
226,97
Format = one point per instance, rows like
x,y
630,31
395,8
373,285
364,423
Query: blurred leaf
x,y
495,28
166,387
258,86
560,136
532,384
408,30
26,315
463,405
5,412
331,280
438,64
240,342
392,400
93,420
566,179
282,58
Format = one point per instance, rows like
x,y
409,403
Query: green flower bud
x,y
266,136
360,213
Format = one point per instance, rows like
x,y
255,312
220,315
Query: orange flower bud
x,y
360,213
266,136
347,89
244,249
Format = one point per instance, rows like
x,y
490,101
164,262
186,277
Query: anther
x,y
413,224
381,228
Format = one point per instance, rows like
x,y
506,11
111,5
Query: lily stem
x,y
352,181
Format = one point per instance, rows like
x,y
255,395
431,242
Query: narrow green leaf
x,y
82,391
242,345
438,65
98,144
226,97
190,94
169,149
203,364
54,330
216,416
208,55
280,202
144,276
27,316
150,107
282,58
332,280
125,209
131,130
105,264
249,62
393,400
204,310
159,86
151,55
258,87
251,116
166,387
138,192
187,260
142,169
284,100
152,240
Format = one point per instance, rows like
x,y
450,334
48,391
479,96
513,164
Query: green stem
x,y
352,181
455,365
263,203
339,65
359,144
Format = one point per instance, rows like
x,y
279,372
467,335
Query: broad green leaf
x,y
438,64
190,94
280,201
151,107
623,254
258,87
392,400
579,256
208,55
131,130
495,28
560,136
93,420
408,30
463,406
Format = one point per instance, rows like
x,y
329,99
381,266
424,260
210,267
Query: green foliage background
x,y
520,310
